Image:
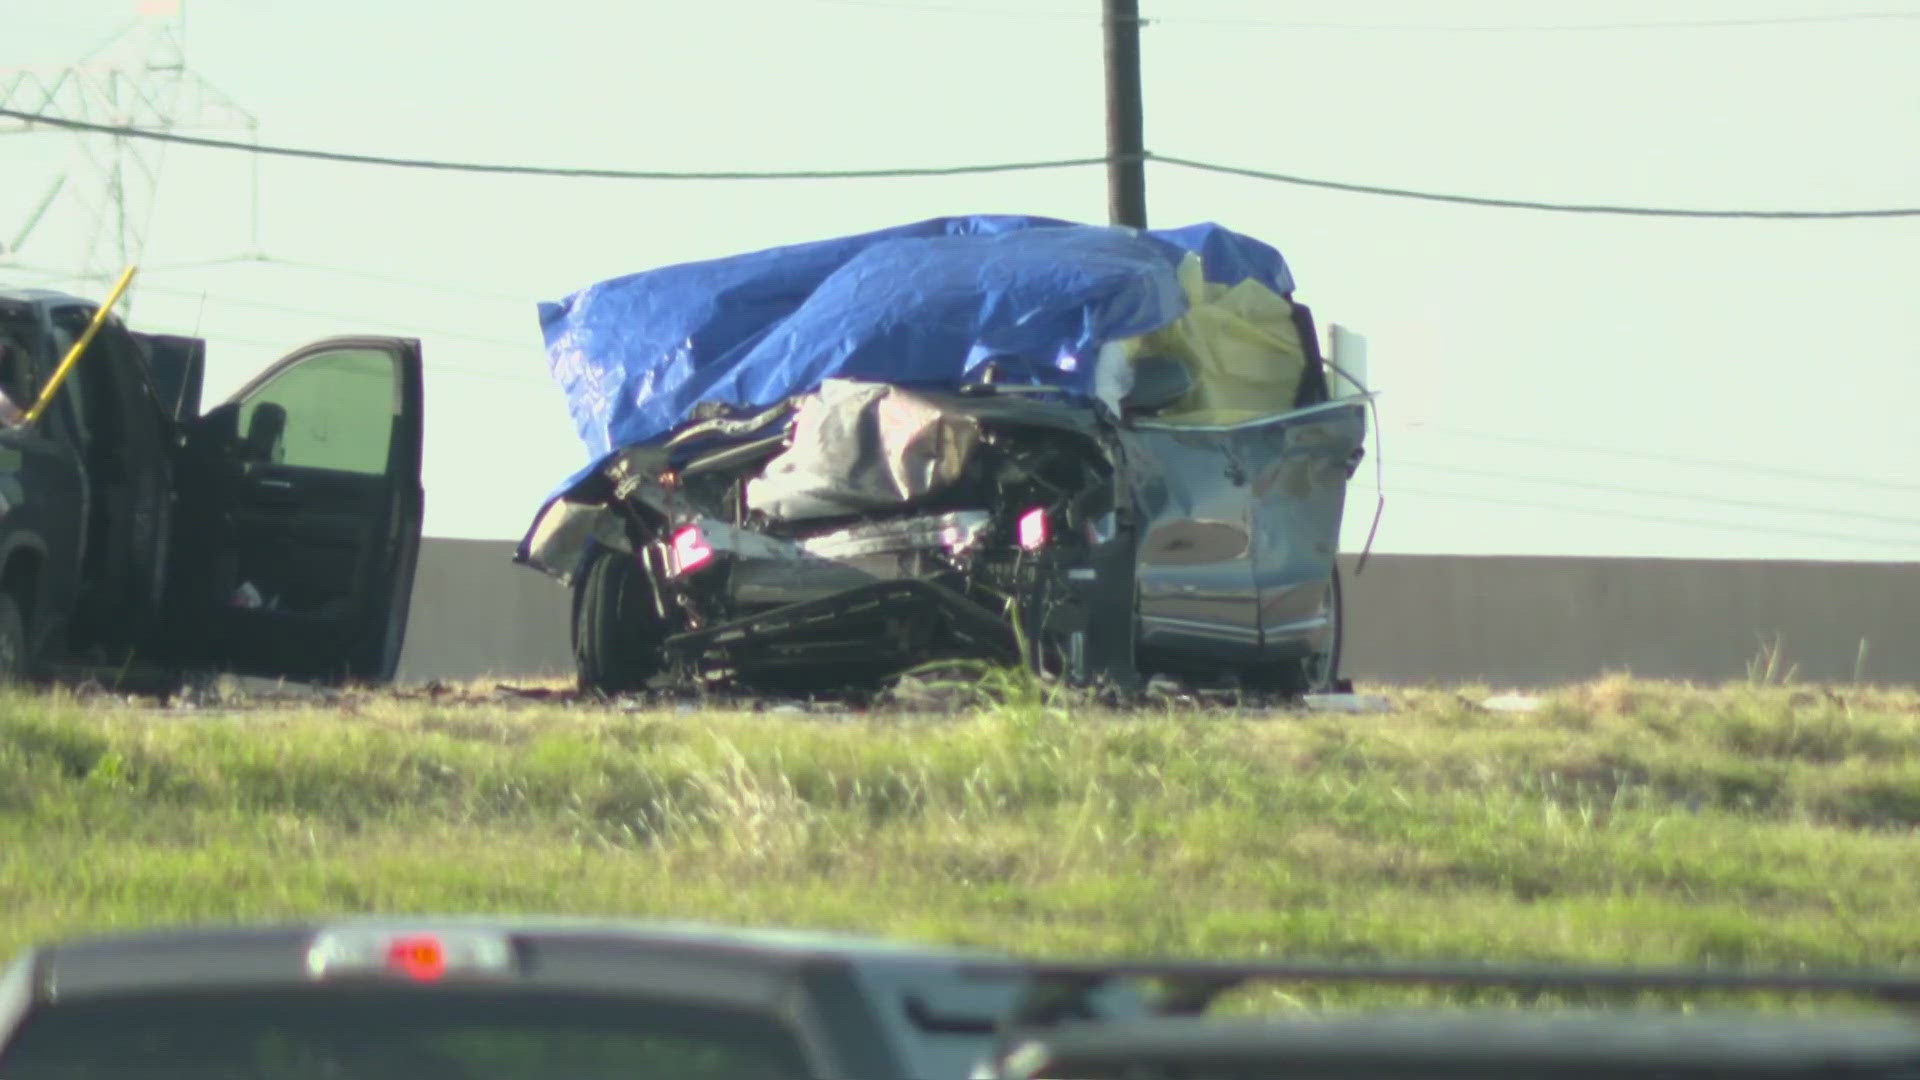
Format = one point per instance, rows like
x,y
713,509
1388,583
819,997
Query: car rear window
x,y
429,1033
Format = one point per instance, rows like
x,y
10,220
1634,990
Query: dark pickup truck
x,y
273,535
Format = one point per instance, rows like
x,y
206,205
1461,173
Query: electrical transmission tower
x,y
138,78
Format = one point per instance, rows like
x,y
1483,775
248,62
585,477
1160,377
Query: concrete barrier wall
x,y
475,614
1411,619
1438,619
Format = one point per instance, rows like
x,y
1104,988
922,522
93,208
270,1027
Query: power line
x,y
431,364
428,332
389,279
958,9
1534,28
341,271
314,313
1695,497
324,268
1671,459
954,170
289,309
542,170
1528,204
1183,19
1658,519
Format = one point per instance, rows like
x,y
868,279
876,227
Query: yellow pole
x,y
86,338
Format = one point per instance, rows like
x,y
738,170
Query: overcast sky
x,y
1552,384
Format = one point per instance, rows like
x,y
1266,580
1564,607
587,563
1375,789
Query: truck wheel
x,y
616,631
16,657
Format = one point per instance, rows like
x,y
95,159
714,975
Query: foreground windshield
x,y
390,1034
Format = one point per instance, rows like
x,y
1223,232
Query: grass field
x,y
1623,822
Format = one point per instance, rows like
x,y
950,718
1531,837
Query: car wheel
x,y
617,633
16,656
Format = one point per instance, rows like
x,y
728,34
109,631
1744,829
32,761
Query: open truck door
x,y
178,366
301,512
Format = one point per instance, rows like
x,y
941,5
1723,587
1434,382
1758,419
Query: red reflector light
x,y
690,550
419,958
423,956
1033,528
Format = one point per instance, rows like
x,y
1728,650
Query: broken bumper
x,y
882,624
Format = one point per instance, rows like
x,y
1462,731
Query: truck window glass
x,y
333,410
396,1034
17,335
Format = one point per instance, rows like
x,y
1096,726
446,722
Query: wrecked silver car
x,y
1100,452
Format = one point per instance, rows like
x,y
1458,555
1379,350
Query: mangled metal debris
x,y
861,448
1098,452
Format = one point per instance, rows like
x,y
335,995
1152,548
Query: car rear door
x,y
1195,553
1297,466
178,366
301,522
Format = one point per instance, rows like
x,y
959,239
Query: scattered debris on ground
x,y
1347,703
1514,703
929,693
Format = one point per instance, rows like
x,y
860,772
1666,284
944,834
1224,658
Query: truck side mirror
x,y
1158,381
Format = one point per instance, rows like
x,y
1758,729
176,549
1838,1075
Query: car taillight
x,y
690,550
1033,529
421,957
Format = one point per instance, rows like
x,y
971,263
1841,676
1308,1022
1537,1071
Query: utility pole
x,y
1126,146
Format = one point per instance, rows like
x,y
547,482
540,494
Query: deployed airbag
x,y
1241,346
858,447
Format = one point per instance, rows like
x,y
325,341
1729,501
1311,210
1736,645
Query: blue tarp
x,y
925,305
